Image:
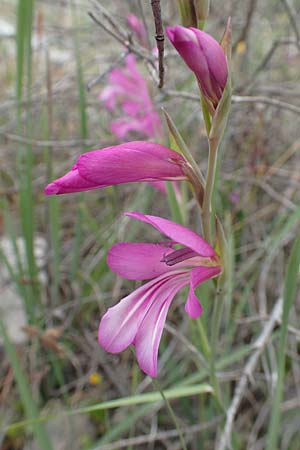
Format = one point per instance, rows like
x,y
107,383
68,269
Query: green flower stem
x,y
211,174
205,347
171,412
209,353
206,115
208,194
216,321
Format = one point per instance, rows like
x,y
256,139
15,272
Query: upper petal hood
x,y
137,261
177,233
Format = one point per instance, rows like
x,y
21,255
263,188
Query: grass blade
x,y
290,285
30,407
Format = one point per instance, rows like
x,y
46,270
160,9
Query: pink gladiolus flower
x,y
138,28
205,57
125,163
128,88
139,318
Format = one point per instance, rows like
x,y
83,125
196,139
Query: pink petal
x,y
138,28
110,95
131,108
128,79
149,333
135,74
125,163
132,161
123,126
214,55
119,326
177,233
71,182
198,275
138,261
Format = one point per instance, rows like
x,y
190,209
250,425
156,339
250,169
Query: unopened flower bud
x,y
205,57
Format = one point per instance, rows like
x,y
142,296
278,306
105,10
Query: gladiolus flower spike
x,y
139,318
205,57
124,163
128,88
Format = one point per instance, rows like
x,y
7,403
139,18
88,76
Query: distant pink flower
x,y
234,197
204,56
139,318
127,88
138,28
124,163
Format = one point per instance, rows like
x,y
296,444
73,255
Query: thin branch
x,y
160,38
240,99
138,440
267,101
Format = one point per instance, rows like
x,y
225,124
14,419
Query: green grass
x,y
290,285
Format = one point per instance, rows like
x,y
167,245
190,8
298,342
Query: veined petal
x,y
150,330
138,261
177,233
119,326
198,275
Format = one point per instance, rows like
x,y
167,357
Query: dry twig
x,y
160,38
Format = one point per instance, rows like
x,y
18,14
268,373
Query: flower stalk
x,y
215,130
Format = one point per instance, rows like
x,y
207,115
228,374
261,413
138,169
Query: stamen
x,y
178,256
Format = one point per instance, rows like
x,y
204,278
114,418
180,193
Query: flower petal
x,y
198,275
71,182
130,162
149,333
119,326
177,233
137,261
193,306
138,28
